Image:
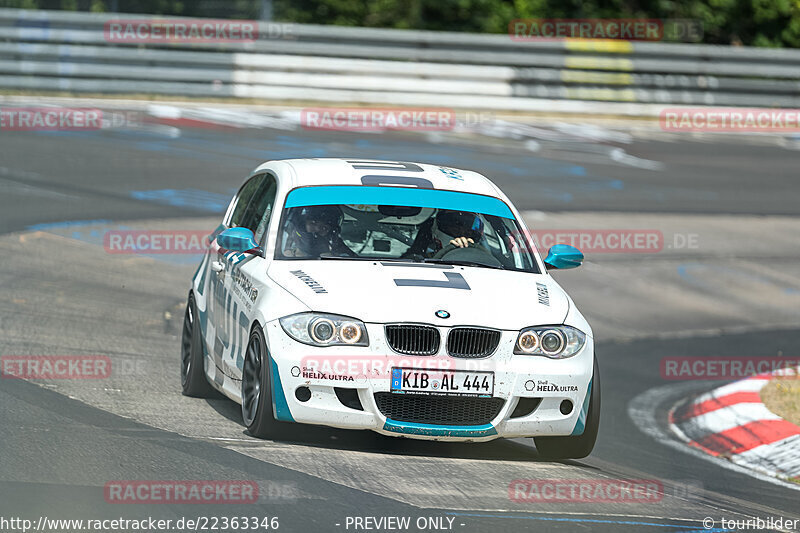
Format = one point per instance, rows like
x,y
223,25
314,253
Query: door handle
x,y
216,266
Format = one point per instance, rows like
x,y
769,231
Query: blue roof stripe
x,y
406,196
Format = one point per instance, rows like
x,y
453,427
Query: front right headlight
x,y
323,329
556,342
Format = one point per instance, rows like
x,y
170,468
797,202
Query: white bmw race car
x,y
404,298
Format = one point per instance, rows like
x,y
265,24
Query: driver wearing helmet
x,y
458,229
316,232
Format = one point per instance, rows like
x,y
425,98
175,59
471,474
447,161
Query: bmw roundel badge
x,y
441,313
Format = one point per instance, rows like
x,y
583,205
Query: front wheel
x,y
579,446
257,389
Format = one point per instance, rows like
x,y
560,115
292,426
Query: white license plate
x,y
442,382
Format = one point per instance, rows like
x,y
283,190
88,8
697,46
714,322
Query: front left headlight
x,y
556,342
323,329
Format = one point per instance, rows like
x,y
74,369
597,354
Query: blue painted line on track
x,y
570,178
96,237
191,198
67,224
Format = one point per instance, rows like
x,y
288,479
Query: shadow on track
x,y
366,441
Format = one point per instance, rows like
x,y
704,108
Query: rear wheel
x,y
257,389
193,375
579,446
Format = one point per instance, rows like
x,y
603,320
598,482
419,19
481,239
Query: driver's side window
x,y
243,200
260,210
254,205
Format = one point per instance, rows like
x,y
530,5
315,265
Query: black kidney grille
x,y
472,342
441,410
412,339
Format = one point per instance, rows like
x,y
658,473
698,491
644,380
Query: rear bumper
x,y
517,377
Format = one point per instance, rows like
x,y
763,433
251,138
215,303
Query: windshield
x,y
438,232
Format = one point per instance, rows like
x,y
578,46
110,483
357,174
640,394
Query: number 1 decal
x,y
454,281
386,165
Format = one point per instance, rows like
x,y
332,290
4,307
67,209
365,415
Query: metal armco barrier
x,y
67,51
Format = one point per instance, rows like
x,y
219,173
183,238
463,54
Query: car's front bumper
x,y
516,377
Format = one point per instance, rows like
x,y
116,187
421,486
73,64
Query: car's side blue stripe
x,y
430,430
244,327
580,425
233,328
226,321
407,196
280,405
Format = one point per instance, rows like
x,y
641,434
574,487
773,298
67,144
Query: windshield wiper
x,y
462,262
459,262
377,259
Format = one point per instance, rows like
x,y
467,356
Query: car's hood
x,y
370,291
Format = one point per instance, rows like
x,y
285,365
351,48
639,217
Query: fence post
x,y
266,10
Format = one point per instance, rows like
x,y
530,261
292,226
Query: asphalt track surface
x,y
61,442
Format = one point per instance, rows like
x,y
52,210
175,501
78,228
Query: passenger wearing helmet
x,y
459,229
316,232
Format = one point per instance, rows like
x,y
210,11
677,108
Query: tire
x,y
579,446
257,389
193,375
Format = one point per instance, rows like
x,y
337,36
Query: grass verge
x,y
782,397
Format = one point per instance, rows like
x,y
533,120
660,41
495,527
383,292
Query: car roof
x,y
331,171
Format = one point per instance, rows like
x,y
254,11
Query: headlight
x,y
322,329
528,342
556,342
350,332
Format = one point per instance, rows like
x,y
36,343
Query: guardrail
x,y
68,51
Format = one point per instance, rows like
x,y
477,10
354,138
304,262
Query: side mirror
x,y
563,256
238,240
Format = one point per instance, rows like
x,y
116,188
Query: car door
x,y
219,278
244,272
